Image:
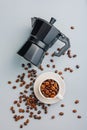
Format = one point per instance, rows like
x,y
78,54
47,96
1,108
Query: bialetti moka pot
x,y
43,35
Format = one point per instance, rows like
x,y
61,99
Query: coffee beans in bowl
x,y
49,88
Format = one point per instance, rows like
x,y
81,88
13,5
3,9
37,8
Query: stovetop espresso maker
x,y
43,35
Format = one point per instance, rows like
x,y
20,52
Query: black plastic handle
x,y
64,39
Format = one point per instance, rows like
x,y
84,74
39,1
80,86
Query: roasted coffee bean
x,y
53,66
62,105
15,102
74,55
18,104
51,60
18,76
79,117
14,87
56,71
26,68
39,112
65,69
72,27
21,93
48,65
11,108
46,53
29,65
9,82
41,68
21,126
61,113
52,117
25,123
76,101
77,66
60,73
23,65
52,54
17,80
13,111
22,117
58,49
74,110
71,70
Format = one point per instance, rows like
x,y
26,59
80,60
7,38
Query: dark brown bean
x,y
9,82
77,66
46,53
74,55
21,126
14,87
53,66
52,117
51,60
61,113
23,65
48,65
60,73
39,112
76,101
79,117
74,110
72,27
15,102
62,105
17,80
52,54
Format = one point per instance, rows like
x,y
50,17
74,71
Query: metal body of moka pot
x,y
43,35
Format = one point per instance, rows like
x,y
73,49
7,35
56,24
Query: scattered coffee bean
x,y
62,105
58,49
62,77
9,82
39,112
21,126
77,66
61,113
26,68
53,66
79,117
15,102
51,60
41,68
74,110
18,104
56,71
52,117
71,70
72,27
76,101
29,65
74,55
14,87
23,65
60,73
48,65
17,80
46,53
52,54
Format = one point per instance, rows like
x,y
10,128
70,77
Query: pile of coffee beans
x,y
49,88
26,105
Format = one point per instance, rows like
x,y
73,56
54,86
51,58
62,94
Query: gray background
x,y
15,26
